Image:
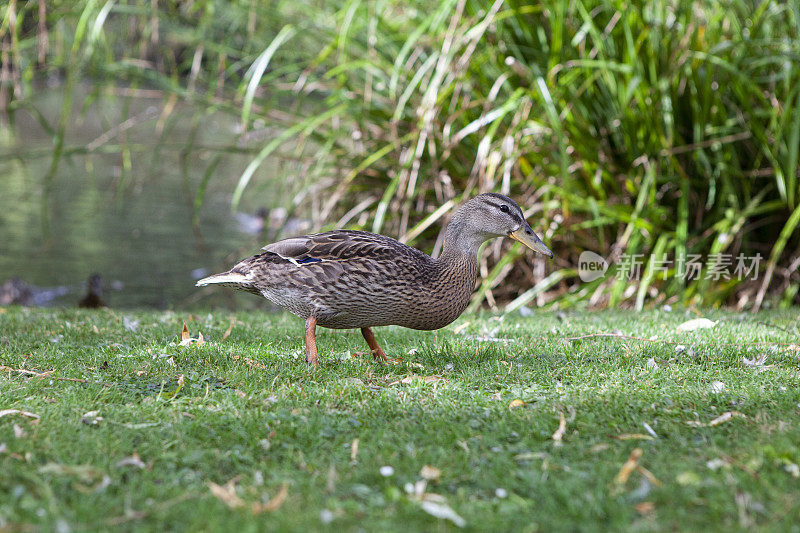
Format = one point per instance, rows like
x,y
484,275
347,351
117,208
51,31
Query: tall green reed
x,y
664,129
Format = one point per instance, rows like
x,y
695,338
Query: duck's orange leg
x,y
311,342
377,353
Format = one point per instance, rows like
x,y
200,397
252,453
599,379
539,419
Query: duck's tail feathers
x,y
234,279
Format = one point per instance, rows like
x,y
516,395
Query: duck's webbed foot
x,y
376,350
312,357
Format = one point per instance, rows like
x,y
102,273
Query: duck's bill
x,y
527,237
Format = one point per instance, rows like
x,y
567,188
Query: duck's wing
x,y
343,245
336,265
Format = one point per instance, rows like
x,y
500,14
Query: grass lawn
x,y
494,424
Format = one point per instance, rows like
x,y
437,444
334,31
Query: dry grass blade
x,y
628,467
633,436
649,476
562,428
274,503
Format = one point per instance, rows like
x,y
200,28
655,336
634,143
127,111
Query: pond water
x,y
125,210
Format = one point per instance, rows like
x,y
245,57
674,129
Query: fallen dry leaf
x,y
430,472
443,511
644,507
187,339
562,428
433,497
515,404
717,463
697,323
130,324
417,489
134,460
757,363
92,418
717,387
227,493
628,467
354,449
724,417
228,331
28,414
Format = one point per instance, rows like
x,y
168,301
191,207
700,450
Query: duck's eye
x,y
504,208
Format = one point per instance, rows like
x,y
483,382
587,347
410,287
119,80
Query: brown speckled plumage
x,y
353,279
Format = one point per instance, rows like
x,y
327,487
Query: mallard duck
x,y
15,291
353,279
94,293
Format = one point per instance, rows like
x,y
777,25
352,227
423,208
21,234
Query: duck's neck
x,y
460,254
450,286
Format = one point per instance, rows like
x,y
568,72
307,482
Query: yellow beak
x,y
526,236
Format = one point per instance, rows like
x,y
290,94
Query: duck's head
x,y
491,215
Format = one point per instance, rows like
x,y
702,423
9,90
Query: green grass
x,y
250,410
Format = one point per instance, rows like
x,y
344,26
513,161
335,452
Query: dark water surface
x,y
125,210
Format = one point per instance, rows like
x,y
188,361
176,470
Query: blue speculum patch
x,y
307,260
